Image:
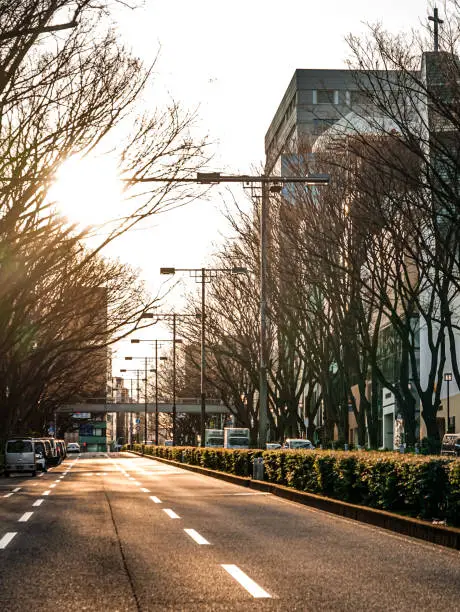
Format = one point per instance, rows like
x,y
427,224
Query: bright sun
x,y
87,191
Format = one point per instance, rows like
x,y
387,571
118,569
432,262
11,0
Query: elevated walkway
x,y
183,405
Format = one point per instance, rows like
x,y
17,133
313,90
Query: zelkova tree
x,y
65,84
412,170
323,255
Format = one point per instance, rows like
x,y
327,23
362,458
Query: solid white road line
x,y
251,587
25,517
155,499
7,539
196,536
46,492
38,502
171,513
16,489
144,490
8,494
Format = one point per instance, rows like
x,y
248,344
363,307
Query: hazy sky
x,y
234,61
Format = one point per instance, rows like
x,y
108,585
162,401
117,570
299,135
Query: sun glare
x,y
87,191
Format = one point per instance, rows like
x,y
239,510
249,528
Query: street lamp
x,y
174,315
145,392
265,180
448,378
137,391
203,276
137,341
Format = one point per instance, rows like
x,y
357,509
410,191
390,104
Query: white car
x,y
73,447
272,446
298,443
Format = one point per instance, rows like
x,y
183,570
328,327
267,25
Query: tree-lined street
x,y
126,533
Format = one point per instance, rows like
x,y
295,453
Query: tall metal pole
x,y
138,389
145,401
448,407
131,416
156,392
263,386
203,356
174,381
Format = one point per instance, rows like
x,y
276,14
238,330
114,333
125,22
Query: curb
x,y
415,528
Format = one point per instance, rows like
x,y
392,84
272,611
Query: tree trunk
x,y
373,415
429,414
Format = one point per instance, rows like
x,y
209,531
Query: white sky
x,y
234,60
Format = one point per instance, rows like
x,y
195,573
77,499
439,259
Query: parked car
x,y
60,451
20,456
55,458
64,448
169,443
73,447
48,451
451,445
298,443
40,455
273,446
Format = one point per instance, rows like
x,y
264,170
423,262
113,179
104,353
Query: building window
x,y
358,97
326,96
320,125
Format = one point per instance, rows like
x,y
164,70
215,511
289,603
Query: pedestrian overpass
x,y
183,405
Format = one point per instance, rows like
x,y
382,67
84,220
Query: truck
x,y
236,437
214,438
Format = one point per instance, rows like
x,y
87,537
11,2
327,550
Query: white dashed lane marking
x,y
196,536
16,489
171,513
247,583
144,490
7,539
155,499
25,517
9,494
38,502
46,492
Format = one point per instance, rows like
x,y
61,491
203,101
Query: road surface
x,y
123,533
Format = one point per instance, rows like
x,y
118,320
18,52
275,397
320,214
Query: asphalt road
x,y
124,533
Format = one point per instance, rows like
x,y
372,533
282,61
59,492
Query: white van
x,y
20,456
298,443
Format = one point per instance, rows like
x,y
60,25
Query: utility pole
x,y
145,402
203,357
204,275
263,383
174,409
156,393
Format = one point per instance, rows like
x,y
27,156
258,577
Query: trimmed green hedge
x,y
414,485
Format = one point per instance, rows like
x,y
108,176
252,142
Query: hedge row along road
x,y
424,487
